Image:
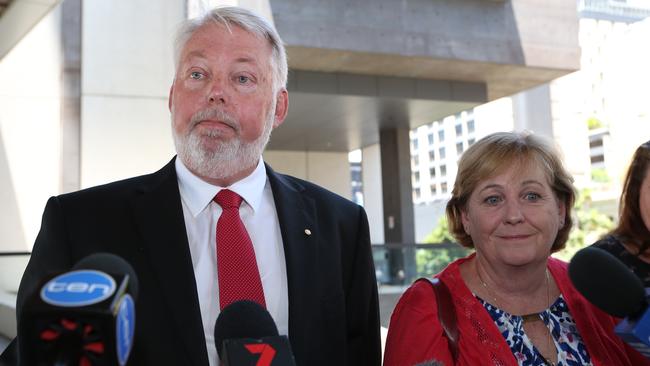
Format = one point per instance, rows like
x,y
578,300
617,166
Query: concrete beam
x,y
510,45
19,18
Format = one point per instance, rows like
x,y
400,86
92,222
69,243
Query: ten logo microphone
x,y
82,317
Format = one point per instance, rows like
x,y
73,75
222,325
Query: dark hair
x,y
493,154
631,228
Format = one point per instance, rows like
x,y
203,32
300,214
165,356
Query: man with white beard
x,y
295,248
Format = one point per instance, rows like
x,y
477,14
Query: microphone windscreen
x,y
110,263
243,319
606,282
430,363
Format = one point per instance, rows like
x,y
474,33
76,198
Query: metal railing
x,y
12,266
402,263
395,263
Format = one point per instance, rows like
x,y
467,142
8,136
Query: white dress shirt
x,y
260,218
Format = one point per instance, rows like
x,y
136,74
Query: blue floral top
x,y
563,328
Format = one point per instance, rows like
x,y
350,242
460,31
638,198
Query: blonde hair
x,y
493,154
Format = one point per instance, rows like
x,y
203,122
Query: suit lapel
x,y
296,214
159,214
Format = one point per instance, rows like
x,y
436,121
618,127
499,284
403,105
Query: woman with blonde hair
x,y
510,302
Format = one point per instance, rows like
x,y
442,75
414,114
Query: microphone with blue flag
x,y
82,317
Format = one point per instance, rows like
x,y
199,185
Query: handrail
x,y
444,245
8,254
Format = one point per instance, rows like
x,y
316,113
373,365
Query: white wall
x,y
127,71
288,162
29,132
327,169
331,170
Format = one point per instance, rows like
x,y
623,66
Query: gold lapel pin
x,y
307,232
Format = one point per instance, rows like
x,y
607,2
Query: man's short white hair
x,y
248,21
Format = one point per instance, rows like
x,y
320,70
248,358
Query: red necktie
x,y
239,278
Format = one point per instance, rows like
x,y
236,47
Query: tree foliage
x,y
440,234
599,175
432,260
589,225
594,123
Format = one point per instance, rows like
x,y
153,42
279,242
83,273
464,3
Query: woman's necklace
x,y
527,318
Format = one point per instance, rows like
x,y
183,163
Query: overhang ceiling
x,y
501,79
323,122
495,48
3,5
342,112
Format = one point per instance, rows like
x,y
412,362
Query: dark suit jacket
x,y
333,306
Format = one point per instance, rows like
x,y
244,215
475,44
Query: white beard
x,y
229,157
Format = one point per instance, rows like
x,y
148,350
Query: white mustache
x,y
214,114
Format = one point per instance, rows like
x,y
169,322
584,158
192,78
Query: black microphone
x,y
430,363
245,334
85,316
610,285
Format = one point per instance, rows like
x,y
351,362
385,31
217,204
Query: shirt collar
x,y
198,193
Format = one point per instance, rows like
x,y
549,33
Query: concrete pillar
x,y
71,96
399,227
372,192
532,111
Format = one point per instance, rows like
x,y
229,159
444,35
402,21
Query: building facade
x,y
597,115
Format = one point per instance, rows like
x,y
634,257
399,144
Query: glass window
x,y
596,143
443,170
470,126
432,172
441,152
432,156
459,148
597,159
430,136
459,130
414,143
416,160
471,142
417,177
434,190
443,187
441,135
417,193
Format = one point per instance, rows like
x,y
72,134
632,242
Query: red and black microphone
x,y
245,334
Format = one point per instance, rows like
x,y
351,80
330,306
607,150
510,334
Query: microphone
x,y
85,316
430,363
245,334
610,285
